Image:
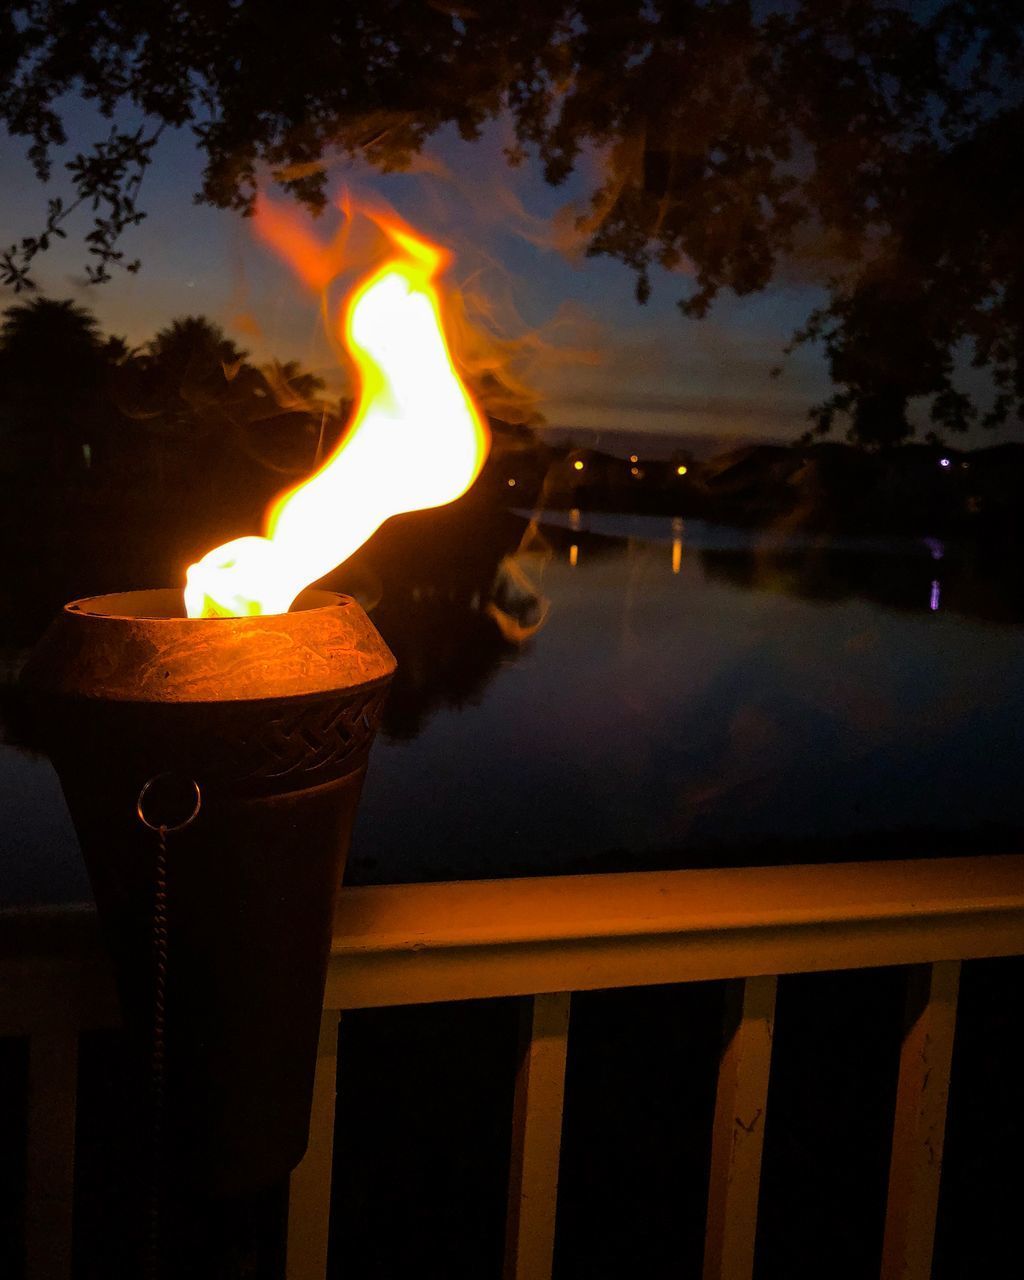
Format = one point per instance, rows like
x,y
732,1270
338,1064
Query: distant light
x,y
634,471
511,483
578,465
945,462
574,555
936,546
677,554
681,470
633,458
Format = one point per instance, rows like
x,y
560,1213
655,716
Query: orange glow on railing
x,y
415,439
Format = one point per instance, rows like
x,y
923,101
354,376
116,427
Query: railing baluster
x,y
52,1100
309,1192
919,1129
537,1139
738,1134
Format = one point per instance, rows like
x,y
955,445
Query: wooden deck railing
x,y
544,939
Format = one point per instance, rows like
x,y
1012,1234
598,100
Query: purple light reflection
x,y
936,546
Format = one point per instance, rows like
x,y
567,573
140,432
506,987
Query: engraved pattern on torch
x,y
309,738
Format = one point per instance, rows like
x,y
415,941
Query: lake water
x,y
696,695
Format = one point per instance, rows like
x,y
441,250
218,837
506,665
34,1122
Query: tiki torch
x,y
212,768
211,743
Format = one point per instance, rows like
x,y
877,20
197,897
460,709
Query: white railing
x,y
543,939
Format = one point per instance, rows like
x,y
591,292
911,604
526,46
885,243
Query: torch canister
x,y
235,749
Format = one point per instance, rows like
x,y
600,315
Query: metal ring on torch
x,y
164,828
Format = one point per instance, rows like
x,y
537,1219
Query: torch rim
x,y
325,645
311,600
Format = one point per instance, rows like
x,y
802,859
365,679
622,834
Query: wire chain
x,y
158,1055
153,1265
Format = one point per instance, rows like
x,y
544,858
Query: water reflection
x,y
439,589
898,576
697,694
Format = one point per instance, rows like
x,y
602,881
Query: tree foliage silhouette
x,y
44,339
193,373
64,381
54,369
866,145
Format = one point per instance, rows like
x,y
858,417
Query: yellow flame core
x,y
416,440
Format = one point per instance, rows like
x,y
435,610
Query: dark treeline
x,y
187,408
120,464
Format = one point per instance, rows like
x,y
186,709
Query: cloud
x,y
701,376
751,417
685,404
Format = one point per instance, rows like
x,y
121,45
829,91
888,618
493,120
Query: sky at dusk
x,y
645,368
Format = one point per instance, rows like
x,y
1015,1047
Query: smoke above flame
x,y
415,438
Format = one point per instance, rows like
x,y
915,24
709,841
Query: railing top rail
x,y
405,944
566,908
398,944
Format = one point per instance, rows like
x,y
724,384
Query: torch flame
x,y
415,440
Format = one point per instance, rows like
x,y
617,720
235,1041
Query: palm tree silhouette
x,y
53,371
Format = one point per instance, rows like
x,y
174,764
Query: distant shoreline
x,y
653,445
